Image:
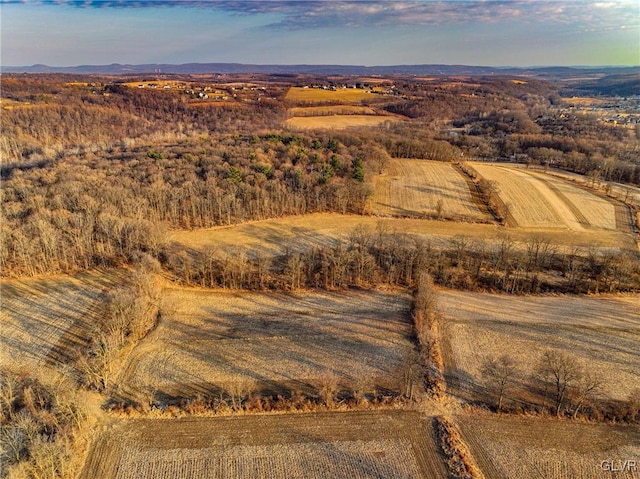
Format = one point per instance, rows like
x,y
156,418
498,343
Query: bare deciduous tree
x,y
500,374
562,371
587,386
633,405
426,307
7,396
13,444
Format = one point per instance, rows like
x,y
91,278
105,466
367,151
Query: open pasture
x,y
333,110
215,342
425,188
619,191
525,448
602,333
318,95
541,201
48,319
274,237
358,445
337,122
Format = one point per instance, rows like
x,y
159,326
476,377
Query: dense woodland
x,y
95,171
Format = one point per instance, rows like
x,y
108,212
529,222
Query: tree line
x,y
131,311
369,257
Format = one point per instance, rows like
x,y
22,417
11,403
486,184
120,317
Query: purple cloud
x,y
303,14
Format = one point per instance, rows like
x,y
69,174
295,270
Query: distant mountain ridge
x,y
230,68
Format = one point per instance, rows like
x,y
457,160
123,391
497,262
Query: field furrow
x,y
217,342
589,209
537,200
297,461
424,188
620,191
530,202
47,320
521,448
393,444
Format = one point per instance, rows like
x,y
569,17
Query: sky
x,y
358,32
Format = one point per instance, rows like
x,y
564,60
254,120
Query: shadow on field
x,y
439,192
272,344
49,319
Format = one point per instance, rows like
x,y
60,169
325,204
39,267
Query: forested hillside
x,y
97,169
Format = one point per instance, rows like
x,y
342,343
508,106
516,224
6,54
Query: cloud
x,y
304,14
359,13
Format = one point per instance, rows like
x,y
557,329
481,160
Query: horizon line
x,y
323,65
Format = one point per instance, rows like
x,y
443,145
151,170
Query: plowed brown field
x,y
525,448
618,190
317,95
300,233
337,122
358,445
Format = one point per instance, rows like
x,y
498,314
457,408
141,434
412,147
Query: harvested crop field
x,y
358,445
317,95
334,110
46,320
601,332
542,201
525,448
620,191
218,342
337,122
299,233
425,188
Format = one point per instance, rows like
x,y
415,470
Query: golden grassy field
x,y
7,104
332,110
358,445
524,448
299,233
337,122
541,201
422,188
601,332
46,320
317,95
618,190
217,341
